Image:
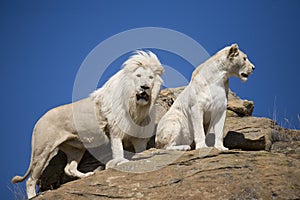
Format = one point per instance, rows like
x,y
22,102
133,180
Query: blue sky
x,y
43,43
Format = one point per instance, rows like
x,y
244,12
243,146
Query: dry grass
x,y
18,191
298,120
286,122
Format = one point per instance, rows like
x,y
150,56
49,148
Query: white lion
x,y
201,106
119,111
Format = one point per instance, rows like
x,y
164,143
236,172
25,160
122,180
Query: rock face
x,y
265,164
194,175
237,107
255,133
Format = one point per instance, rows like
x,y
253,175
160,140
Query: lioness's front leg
x,y
218,126
117,152
197,121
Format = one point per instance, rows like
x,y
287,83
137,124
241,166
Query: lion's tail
x,y
17,179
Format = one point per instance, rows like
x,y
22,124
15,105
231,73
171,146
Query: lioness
x,y
119,111
201,106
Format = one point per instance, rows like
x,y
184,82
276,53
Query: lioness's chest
x,y
215,100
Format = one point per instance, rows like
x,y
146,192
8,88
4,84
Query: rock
x,y
167,97
248,133
244,133
255,133
291,149
54,175
238,106
193,175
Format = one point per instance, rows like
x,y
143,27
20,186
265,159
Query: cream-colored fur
x,y
120,110
201,107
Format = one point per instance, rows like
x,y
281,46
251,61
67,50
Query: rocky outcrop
x,y
255,133
237,107
193,175
263,163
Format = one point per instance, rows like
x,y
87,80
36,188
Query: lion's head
x,y
126,100
240,66
144,70
144,81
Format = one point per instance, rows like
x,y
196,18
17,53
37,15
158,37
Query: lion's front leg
x,y
197,121
117,153
218,126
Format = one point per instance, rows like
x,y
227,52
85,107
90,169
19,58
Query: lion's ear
x,y
233,51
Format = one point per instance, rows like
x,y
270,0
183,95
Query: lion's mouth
x,y
143,96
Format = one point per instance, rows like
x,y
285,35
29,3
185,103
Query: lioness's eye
x,y
151,77
138,75
245,58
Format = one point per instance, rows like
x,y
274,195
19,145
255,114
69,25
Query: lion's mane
x,y
117,101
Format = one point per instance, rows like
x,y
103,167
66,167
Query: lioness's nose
x,y
145,87
253,67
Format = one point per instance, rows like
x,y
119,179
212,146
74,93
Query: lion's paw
x,y
115,162
179,148
89,174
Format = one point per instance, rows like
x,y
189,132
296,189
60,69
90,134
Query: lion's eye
x,y
138,75
151,77
245,58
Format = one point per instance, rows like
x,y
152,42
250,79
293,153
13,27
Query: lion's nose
x,y
145,87
253,67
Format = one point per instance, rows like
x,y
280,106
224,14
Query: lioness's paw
x,y
115,162
221,148
201,146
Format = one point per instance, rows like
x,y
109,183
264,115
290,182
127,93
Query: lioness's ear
x,y
233,51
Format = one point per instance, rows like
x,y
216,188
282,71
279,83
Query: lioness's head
x,y
145,70
240,66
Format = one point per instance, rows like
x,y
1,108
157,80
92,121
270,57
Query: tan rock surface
x,y
195,175
240,107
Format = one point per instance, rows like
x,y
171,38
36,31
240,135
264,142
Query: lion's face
x,y
143,80
240,64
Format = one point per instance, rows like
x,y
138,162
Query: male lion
x,y
201,106
119,111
